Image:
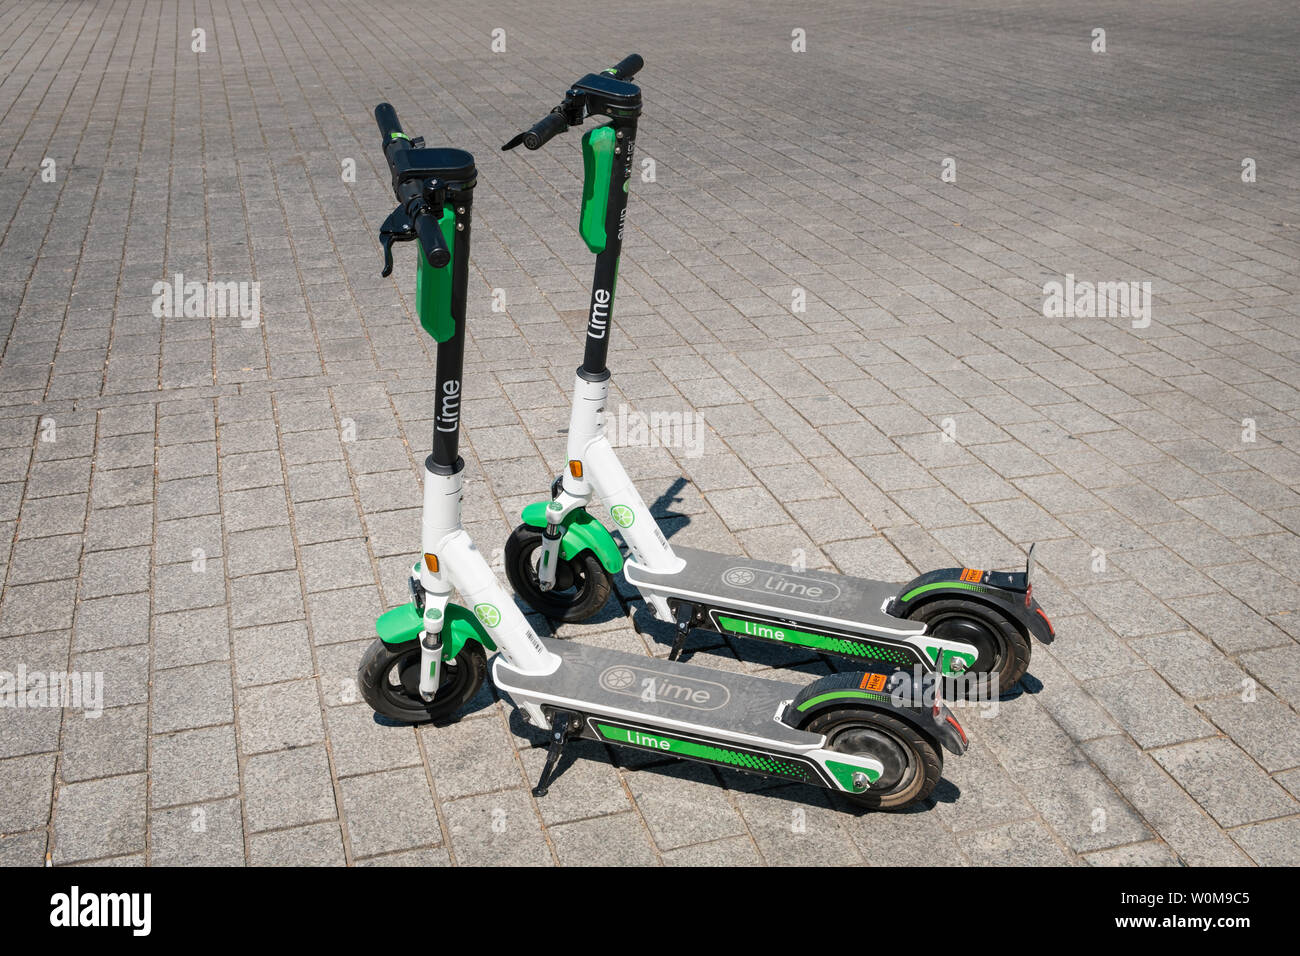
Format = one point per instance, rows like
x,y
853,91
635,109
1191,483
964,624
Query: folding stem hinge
x,y
565,724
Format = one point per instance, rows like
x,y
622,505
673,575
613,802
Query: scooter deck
x,y
595,680
715,580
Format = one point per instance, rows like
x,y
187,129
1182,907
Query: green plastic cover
x,y
433,286
597,170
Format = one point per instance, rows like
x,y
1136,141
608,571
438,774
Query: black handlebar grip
x,y
431,240
543,130
386,118
627,67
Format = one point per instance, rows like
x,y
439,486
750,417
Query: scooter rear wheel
x,y
1003,650
913,765
582,584
390,681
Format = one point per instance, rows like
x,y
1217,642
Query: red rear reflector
x,y
1050,630
957,727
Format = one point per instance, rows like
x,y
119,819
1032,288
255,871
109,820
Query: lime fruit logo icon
x,y
623,515
488,614
618,678
739,577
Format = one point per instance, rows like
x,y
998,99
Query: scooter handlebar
x,y
541,132
557,120
386,119
627,67
422,217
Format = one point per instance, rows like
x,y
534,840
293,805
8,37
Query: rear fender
x,y
896,694
1005,591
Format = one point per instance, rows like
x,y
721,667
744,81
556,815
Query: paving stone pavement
x,y
210,513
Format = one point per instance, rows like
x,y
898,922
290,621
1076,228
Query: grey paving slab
x,y
388,811
1183,825
100,818
497,828
28,786
288,787
320,844
193,765
207,834
1027,843
1148,709
1223,780
105,746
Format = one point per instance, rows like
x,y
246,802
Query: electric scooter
x,y
877,738
969,627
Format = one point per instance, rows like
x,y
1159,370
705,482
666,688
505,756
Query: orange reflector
x,y
575,468
431,562
872,682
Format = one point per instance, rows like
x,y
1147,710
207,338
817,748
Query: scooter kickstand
x,y
685,618
563,726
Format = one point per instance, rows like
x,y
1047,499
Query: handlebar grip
x,y
431,240
627,67
545,129
386,118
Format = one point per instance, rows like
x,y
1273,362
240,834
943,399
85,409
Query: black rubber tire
x,y
582,583
1005,654
903,749
389,679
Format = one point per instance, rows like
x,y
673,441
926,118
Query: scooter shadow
x,y
670,522
1028,684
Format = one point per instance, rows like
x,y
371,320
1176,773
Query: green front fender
x,y
404,623
582,533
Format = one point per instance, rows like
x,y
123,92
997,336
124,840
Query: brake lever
x,y
514,142
396,228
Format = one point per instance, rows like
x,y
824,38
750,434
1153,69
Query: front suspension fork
x,y
433,604
555,513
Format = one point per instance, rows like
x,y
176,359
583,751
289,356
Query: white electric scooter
x,y
968,627
872,736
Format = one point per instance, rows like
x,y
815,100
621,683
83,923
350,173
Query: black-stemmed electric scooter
x,y
970,626
873,736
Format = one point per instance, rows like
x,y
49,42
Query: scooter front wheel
x,y
390,681
913,765
582,584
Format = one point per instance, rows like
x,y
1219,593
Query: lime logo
x,y
772,581
619,678
739,577
663,687
488,614
623,515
